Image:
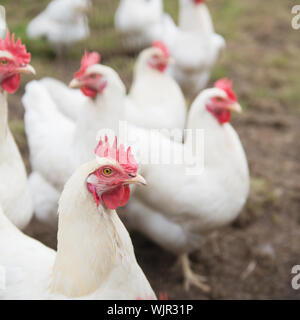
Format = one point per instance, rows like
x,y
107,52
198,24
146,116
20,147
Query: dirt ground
x,y
252,258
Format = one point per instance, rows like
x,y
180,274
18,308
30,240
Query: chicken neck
x,y
3,115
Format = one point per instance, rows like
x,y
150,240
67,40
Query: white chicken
x,y
195,47
141,22
103,266
158,102
63,142
14,192
194,16
182,201
62,23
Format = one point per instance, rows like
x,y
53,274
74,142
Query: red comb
x,y
124,157
16,48
160,45
87,60
226,85
198,1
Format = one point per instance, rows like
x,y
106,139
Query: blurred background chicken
x,y
193,44
195,47
62,23
157,100
15,197
180,204
140,22
103,266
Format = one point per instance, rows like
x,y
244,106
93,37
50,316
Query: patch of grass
x,y
172,7
263,92
219,71
124,65
18,131
244,103
226,16
107,41
20,30
102,17
279,61
290,95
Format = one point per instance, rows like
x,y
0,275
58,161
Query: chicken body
x,y
14,191
157,100
67,100
63,23
195,47
185,201
103,266
142,22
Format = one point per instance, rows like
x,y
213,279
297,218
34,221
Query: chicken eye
x,y
4,62
219,99
93,76
107,171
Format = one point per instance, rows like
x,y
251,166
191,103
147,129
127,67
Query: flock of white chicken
x,y
95,257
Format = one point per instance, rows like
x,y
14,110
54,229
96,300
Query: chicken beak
x,y
75,83
235,107
138,179
28,69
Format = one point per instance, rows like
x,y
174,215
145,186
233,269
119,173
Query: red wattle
x,y
158,66
11,84
88,92
222,115
126,196
117,197
162,67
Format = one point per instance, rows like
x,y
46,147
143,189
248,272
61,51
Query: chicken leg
x,y
190,277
